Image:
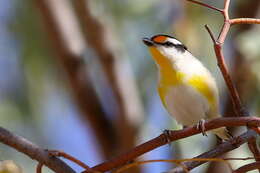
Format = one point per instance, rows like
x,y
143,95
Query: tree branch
x,y
248,167
206,5
252,145
33,151
210,34
173,136
219,150
39,168
244,21
237,104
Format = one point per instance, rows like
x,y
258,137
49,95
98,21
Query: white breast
x,y
186,104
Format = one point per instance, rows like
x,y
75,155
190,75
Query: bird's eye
x,y
169,44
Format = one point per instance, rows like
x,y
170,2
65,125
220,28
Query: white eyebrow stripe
x,y
174,41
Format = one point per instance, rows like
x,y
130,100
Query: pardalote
x,y
186,88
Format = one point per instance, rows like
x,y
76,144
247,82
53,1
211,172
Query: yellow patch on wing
x,y
198,82
162,93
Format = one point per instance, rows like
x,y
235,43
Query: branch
x,y
221,61
232,90
237,104
39,168
173,136
252,145
206,5
180,162
226,7
244,21
57,153
248,167
210,34
219,150
33,151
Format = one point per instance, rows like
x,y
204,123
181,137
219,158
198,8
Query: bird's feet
x,y
201,127
167,136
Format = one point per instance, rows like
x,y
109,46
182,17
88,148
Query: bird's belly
x,y
185,104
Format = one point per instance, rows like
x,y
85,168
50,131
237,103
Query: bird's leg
x,y
167,135
201,127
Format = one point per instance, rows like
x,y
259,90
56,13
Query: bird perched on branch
x,y
187,89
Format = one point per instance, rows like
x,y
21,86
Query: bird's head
x,y
163,47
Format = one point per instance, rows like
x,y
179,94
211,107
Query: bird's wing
x,y
205,85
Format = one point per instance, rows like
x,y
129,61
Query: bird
x,y
186,87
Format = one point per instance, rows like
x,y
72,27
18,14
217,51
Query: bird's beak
x,y
148,42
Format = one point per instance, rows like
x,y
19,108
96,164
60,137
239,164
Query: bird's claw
x,y
167,136
201,127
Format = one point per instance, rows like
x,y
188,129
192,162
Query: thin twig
x,y
206,5
69,157
210,33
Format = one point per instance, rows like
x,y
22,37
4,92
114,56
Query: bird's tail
x,y
222,133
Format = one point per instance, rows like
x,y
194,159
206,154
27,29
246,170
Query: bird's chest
x,y
184,103
168,79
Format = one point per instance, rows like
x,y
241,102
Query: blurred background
x,y
75,75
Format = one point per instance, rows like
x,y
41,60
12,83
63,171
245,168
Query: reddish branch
x,y
244,21
39,168
252,145
219,150
219,54
248,167
33,151
218,43
43,156
206,5
69,157
176,135
56,153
